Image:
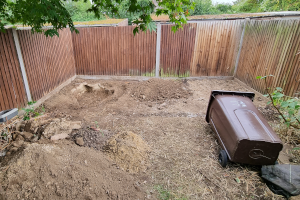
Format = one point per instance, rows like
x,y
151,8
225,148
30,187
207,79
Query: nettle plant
x,y
287,107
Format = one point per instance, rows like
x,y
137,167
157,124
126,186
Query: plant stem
x,y
267,90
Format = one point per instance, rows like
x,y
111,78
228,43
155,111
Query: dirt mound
x,y
66,172
158,90
129,151
59,100
92,138
83,95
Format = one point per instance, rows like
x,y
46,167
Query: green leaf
x,y
258,77
279,88
269,102
288,124
291,112
237,180
284,104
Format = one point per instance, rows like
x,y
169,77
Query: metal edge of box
x,y
250,95
7,116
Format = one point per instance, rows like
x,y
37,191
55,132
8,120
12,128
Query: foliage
x,y
61,14
203,7
30,112
78,11
266,5
287,107
36,13
224,8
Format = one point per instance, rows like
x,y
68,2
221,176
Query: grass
x,y
164,194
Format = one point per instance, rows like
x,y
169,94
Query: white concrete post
x,y
158,39
16,39
240,47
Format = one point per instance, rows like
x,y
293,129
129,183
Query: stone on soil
x,y
79,141
59,136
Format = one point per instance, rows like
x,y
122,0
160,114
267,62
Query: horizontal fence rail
x,y
48,61
270,48
114,51
12,92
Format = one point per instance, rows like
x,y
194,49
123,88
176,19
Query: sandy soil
x,y
169,115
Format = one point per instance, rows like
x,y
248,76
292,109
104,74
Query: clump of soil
x,y
66,172
92,138
157,90
129,151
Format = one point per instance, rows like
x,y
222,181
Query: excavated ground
x,y
128,140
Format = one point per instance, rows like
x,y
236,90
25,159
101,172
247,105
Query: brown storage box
x,y
241,130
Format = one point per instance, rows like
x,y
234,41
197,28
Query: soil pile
x,y
81,95
66,172
92,137
129,151
158,90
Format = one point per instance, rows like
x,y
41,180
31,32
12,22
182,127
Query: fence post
x,y
240,46
16,39
158,39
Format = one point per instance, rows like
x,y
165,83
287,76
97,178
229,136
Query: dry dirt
x,y
179,159
47,171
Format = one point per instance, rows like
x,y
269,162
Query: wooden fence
x,y
114,51
177,50
12,92
216,48
48,61
207,48
270,48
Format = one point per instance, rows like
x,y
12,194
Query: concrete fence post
x,y
17,43
240,46
158,41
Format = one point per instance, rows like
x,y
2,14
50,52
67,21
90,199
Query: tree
x,y
37,13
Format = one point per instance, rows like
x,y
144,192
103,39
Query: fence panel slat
x,y
48,61
270,47
12,92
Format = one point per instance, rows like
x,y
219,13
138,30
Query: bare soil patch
x,y
173,150
46,171
158,90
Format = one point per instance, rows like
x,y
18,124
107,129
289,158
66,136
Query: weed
x,y
96,123
287,107
29,112
163,193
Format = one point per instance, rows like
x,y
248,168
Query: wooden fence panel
x,y
270,48
177,50
48,61
114,51
216,48
12,91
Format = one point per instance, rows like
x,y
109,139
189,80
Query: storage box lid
x,y
250,95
